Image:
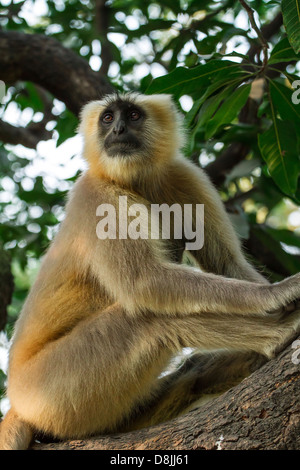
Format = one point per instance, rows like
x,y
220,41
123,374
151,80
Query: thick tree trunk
x,y
261,413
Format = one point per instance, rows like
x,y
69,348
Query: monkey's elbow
x,y
144,296
141,290
135,299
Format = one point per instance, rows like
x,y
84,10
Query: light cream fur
x,y
104,317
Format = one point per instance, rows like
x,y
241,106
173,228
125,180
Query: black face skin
x,y
120,126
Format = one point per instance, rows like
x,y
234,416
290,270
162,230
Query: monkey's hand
x,y
287,296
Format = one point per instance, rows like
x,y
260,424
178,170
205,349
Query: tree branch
x,y
268,30
262,40
28,136
261,413
102,15
46,62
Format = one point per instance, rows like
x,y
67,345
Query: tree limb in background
x,y
28,136
34,132
46,62
268,30
102,16
262,40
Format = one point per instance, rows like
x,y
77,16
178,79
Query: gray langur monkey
x,y
105,316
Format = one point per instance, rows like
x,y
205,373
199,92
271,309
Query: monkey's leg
x,y
263,334
201,378
204,376
91,379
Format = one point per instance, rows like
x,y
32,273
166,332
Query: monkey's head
x,y
129,136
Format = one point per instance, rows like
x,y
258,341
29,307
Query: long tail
x,y
15,434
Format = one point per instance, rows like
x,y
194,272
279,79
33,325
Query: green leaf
x,y
285,236
207,110
210,106
240,223
190,116
28,97
228,109
291,21
266,238
206,99
283,52
282,99
66,126
280,149
243,168
267,192
192,81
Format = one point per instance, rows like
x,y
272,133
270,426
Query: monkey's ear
x,y
89,118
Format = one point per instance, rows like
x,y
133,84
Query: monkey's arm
x,y
138,273
221,252
139,278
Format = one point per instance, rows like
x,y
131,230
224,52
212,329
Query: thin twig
x,y
260,36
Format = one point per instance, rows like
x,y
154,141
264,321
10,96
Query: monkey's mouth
x,y
122,147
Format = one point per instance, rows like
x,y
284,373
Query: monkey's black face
x,y
121,125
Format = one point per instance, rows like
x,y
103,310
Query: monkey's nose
x,y
119,127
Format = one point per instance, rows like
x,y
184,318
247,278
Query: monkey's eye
x,y
108,117
135,115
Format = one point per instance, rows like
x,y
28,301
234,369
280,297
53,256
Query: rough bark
x,y
46,62
261,413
